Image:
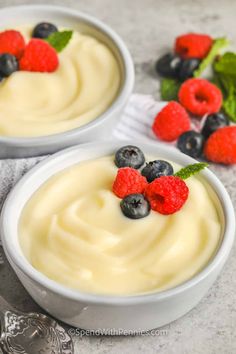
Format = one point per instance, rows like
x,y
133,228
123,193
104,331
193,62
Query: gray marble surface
x,y
149,27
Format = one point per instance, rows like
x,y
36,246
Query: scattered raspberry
x,y
39,56
221,146
200,97
171,122
12,42
167,194
128,181
193,45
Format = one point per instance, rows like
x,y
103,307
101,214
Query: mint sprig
x,y
170,89
59,40
218,45
229,104
191,170
225,78
226,64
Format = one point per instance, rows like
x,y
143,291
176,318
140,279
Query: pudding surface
x,y
73,231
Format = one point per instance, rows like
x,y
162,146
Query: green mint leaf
x,y
218,44
229,104
225,76
217,81
170,89
226,64
190,170
58,40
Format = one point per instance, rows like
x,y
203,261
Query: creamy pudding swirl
x,y
83,87
73,231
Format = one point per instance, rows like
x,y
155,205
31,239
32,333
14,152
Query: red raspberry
x,y
12,42
193,45
167,194
200,97
171,122
128,181
39,56
221,146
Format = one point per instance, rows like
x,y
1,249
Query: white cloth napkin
x,y
137,119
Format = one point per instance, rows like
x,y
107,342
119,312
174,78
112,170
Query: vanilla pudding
x,y
85,84
73,231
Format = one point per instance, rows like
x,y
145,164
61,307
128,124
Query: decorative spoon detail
x,y
31,333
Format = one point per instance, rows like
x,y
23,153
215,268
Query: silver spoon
x,y
31,333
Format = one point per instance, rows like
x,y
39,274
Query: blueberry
x,y
191,143
156,169
187,68
8,64
43,30
214,122
168,65
135,206
129,156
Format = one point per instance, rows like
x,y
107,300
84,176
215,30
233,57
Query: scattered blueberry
x,y
214,122
191,143
43,30
135,206
129,156
168,65
187,68
8,64
156,169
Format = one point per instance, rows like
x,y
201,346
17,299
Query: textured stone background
x,y
149,27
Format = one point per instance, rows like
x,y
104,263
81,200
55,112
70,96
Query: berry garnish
x,y
171,122
128,181
200,97
167,194
156,169
191,170
191,143
59,40
193,45
221,146
43,30
168,65
39,56
8,64
135,206
214,122
187,68
12,42
129,156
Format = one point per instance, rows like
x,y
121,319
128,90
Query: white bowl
x,y
96,129
89,311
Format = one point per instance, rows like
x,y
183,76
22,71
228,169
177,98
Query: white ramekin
x,y
99,127
89,311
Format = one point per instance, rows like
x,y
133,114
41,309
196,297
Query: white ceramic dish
x,y
89,311
98,128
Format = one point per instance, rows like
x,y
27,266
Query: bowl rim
x,y
126,87
24,265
